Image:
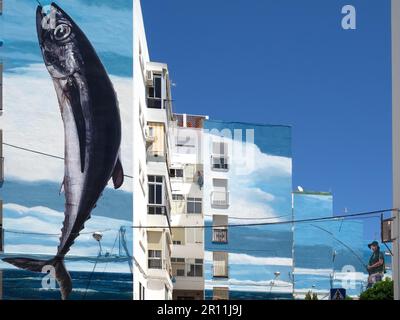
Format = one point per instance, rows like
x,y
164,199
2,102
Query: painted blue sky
x,y
289,62
112,38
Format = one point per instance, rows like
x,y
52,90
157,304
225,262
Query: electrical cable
x,y
44,154
320,219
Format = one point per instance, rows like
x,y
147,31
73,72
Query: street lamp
x,y
98,236
277,274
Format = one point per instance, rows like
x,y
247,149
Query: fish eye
x,y
62,31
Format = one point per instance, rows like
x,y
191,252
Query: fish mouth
x,y
40,20
43,19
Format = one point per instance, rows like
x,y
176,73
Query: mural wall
x,y
327,254
67,128
257,176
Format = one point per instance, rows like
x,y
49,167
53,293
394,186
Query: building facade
x,y
248,179
151,162
187,180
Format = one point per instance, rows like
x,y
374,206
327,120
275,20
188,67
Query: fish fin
x,y
74,97
62,275
118,175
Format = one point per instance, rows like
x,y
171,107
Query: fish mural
x,y
92,130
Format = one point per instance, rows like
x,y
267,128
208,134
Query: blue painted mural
x,y
34,134
258,179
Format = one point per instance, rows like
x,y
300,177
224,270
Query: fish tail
x,y
61,273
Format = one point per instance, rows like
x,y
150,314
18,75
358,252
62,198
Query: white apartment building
x,y
152,188
186,174
168,195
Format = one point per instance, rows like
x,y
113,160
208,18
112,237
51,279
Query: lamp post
x,y
98,236
395,26
277,274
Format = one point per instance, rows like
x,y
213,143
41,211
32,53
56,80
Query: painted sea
x,y
25,285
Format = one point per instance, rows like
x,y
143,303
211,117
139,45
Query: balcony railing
x,y
220,198
155,264
219,162
220,235
154,103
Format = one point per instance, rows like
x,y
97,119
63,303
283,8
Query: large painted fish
x,y
92,125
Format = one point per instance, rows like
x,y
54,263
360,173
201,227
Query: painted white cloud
x,y
245,259
316,272
32,120
273,286
251,177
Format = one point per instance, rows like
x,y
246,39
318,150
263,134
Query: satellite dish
x,y
300,189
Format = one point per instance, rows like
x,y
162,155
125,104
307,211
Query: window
x,y
178,197
142,120
220,293
154,93
156,194
142,178
178,267
195,267
177,242
219,158
141,59
194,205
220,148
155,259
176,173
220,264
220,229
220,194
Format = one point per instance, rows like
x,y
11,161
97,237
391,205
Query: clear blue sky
x,y
290,62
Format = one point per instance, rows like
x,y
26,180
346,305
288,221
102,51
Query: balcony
x,y
154,103
155,264
219,162
220,235
220,199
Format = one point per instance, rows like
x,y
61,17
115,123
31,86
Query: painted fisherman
x,y
376,264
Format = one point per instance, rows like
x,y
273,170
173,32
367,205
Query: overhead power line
x,y
44,154
319,219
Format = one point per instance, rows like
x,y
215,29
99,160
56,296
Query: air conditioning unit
x,y
149,78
